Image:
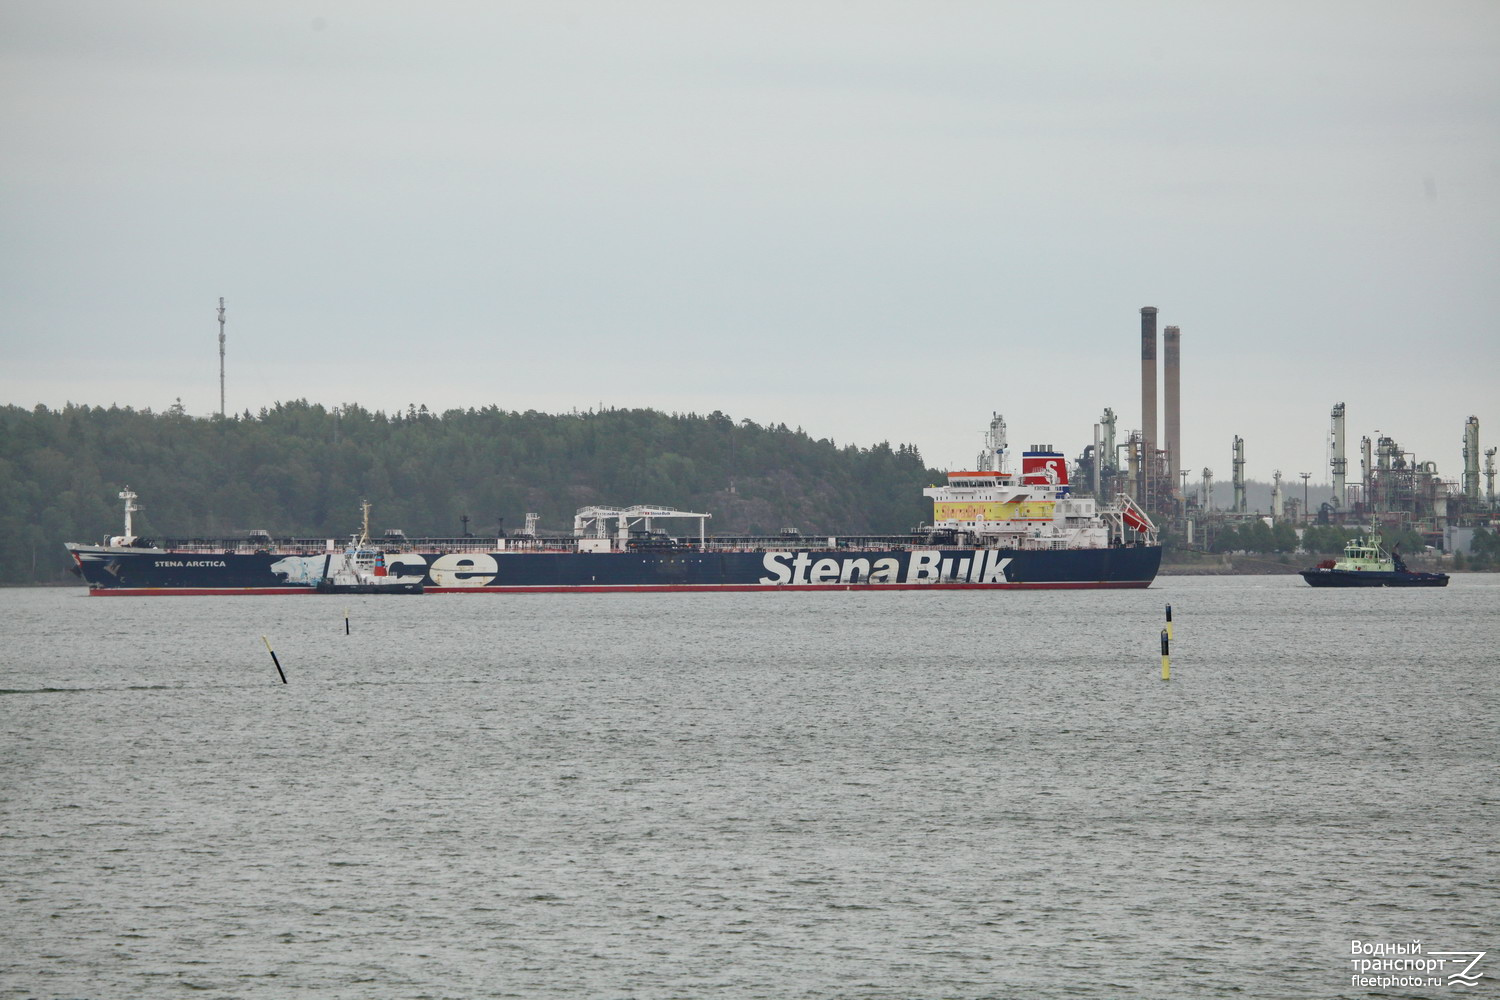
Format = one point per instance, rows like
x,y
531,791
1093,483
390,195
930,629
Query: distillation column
x,y
1240,506
1340,464
1367,474
1471,460
1107,422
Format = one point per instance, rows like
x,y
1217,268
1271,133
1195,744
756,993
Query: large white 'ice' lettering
x,y
407,565
473,570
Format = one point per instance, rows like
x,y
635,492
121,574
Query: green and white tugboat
x,y
1366,564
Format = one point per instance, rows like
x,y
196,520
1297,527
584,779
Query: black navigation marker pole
x,y
273,658
346,621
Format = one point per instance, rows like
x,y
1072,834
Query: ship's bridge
x,y
980,479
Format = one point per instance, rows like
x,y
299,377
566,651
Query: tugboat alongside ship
x,y
1366,564
359,569
992,529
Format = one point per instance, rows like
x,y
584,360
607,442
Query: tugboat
x,y
359,569
1366,564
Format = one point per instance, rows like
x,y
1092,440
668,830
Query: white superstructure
x,y
1031,509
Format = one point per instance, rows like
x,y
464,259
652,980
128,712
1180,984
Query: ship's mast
x,y
130,508
364,531
221,356
992,458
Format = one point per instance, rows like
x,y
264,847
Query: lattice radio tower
x,y
221,356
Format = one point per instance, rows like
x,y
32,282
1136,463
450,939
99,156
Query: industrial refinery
x,y
1394,490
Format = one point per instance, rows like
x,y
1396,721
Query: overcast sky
x,y
878,221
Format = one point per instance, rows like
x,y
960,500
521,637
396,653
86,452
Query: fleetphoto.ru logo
x,y
1385,964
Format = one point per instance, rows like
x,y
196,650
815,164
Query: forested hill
x,y
301,469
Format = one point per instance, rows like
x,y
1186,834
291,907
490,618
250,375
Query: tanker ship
x,y
991,529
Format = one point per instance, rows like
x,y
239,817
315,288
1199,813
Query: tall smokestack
x,y
1148,397
1148,377
1171,347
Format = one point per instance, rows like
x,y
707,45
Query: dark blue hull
x,y
1365,578
140,572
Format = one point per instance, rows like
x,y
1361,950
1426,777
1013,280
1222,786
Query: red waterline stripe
x,y
195,591
772,587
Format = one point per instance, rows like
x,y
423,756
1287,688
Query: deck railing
x,y
568,543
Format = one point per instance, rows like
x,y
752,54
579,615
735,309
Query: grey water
x,y
782,795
